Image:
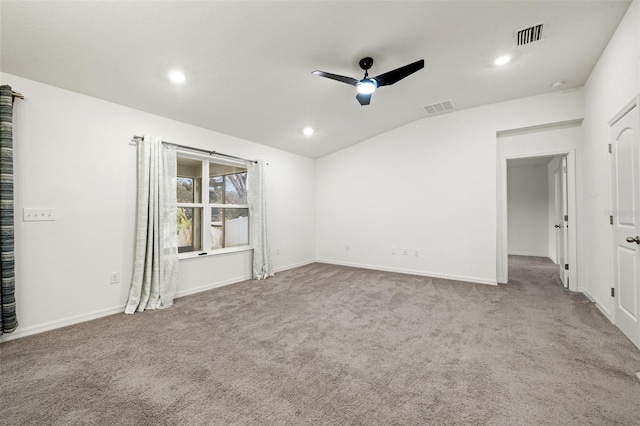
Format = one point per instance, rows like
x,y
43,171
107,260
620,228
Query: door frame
x,y
635,101
502,240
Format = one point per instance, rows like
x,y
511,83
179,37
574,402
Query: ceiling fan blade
x,y
348,80
363,99
388,78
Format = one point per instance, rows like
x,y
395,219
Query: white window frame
x,y
206,206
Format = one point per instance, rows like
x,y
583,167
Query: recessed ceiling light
x,y
177,77
558,84
307,131
502,60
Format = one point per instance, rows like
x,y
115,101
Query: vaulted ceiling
x,y
248,64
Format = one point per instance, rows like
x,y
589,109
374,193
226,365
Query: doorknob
x,y
633,240
556,226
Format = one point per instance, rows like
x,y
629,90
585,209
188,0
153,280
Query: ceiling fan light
x,y
367,87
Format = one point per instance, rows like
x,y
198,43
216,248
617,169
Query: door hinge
x,y
609,148
566,218
566,266
613,292
610,220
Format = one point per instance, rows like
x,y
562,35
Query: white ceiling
x,y
249,64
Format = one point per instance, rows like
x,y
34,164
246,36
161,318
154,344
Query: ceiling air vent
x,y
439,107
528,35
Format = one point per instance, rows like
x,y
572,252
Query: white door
x,y
557,224
625,150
562,224
564,230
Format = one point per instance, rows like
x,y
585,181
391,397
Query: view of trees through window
x,y
185,190
229,226
227,201
229,189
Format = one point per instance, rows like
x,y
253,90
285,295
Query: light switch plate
x,y
38,214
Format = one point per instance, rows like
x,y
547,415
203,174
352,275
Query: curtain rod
x,y
139,138
17,95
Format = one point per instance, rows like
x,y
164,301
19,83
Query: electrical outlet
x,y
405,251
416,253
114,277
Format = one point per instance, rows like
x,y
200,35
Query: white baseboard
x,y
64,322
295,265
211,286
236,280
473,280
517,253
599,305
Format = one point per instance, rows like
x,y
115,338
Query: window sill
x,y
199,254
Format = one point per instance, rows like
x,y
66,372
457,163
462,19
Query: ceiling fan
x,y
367,85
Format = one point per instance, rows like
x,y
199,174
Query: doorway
x,y
549,140
536,210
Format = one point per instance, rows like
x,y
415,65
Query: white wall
x,y
612,84
429,185
72,152
528,210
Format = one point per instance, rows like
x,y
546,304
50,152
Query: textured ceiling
x,y
248,64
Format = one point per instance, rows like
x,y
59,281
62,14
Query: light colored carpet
x,y
326,344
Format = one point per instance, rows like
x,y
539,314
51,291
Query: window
x,y
213,213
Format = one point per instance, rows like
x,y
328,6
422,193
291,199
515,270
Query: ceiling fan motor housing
x,y
366,63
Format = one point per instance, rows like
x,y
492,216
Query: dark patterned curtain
x,y
8,320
